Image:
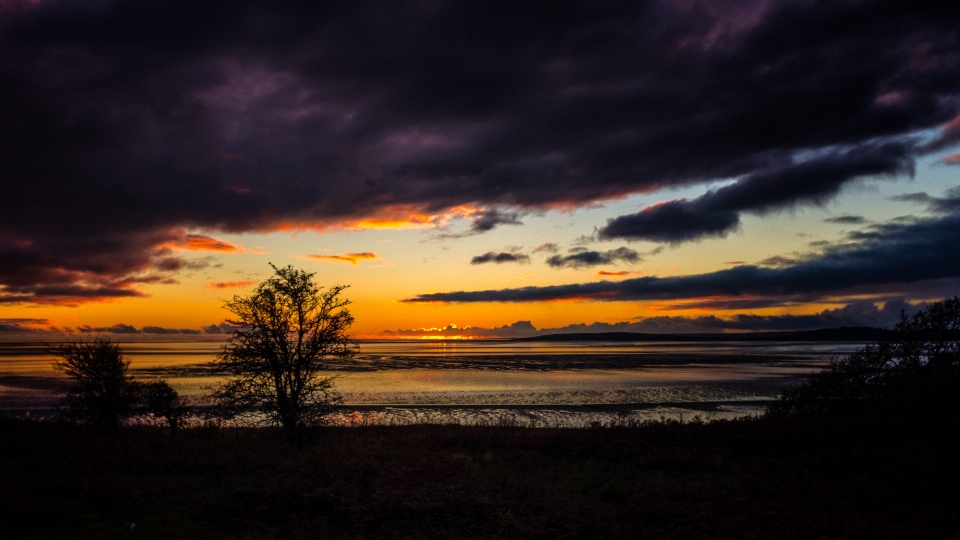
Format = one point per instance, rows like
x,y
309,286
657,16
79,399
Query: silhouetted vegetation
x,y
160,400
101,392
795,477
801,472
914,368
283,332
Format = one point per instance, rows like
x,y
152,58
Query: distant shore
x,y
844,333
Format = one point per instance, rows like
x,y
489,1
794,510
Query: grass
x,y
800,477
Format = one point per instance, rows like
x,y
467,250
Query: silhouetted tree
x,y
283,332
101,392
915,365
162,401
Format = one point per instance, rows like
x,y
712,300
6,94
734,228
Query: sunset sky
x,y
514,167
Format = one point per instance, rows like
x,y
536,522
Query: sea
x,y
485,382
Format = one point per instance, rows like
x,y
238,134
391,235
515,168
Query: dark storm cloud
x,y
673,222
948,204
69,269
502,257
778,261
22,324
173,264
488,219
891,255
581,258
483,221
122,123
65,268
846,220
781,186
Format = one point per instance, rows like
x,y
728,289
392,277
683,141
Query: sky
x,y
479,169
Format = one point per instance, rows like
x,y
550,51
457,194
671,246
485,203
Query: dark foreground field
x,y
769,478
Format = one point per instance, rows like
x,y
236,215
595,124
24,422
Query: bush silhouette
x,y
914,367
101,392
162,401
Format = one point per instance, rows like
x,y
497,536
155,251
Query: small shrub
x,y
162,401
101,393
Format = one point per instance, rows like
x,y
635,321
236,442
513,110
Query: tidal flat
x,y
482,382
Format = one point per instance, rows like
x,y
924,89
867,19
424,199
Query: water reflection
x,y
397,382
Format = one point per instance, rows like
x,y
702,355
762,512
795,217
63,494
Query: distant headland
x,y
843,333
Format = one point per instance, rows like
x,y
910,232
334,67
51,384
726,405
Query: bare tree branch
x,y
283,332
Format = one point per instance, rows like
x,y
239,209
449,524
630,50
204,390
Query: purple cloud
x,y
499,258
582,258
124,124
784,185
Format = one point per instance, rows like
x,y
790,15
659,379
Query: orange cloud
x,y
403,216
229,284
952,159
352,258
953,124
202,242
408,217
